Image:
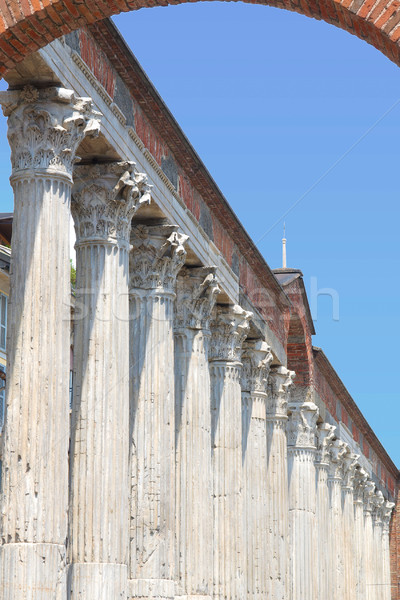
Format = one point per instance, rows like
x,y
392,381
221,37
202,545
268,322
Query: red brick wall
x,y
299,340
395,550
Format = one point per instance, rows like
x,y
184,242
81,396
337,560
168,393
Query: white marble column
x,y
197,290
378,502
157,255
359,538
302,499
229,329
105,198
387,583
45,128
256,358
325,434
369,541
337,452
349,466
276,485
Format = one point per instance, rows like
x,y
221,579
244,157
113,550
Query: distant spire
x,y
284,247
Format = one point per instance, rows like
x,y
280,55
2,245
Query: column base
x,y
97,581
33,572
148,589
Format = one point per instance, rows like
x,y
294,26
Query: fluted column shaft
x,y
104,200
256,358
276,484
302,499
378,550
229,330
359,539
349,466
197,290
45,128
338,450
157,256
348,539
325,433
387,587
369,542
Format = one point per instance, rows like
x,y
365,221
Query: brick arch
x,y
27,25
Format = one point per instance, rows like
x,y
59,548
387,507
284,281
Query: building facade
x,y
211,451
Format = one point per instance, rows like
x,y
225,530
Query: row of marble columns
x,y
185,470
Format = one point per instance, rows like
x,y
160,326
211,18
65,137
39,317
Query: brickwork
x,y
27,26
395,549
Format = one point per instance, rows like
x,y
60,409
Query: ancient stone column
x,y
325,434
229,329
386,515
105,198
276,485
348,520
337,452
197,290
377,524
302,499
360,477
369,564
157,255
45,128
256,358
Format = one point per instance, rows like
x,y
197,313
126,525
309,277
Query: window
x,y
3,321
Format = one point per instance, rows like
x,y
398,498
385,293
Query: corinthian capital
x,y
104,199
387,509
46,126
280,383
369,490
256,359
229,329
325,434
378,502
337,453
360,479
349,469
196,293
157,255
302,424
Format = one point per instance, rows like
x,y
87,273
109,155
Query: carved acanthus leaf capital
x,y
360,479
280,383
104,199
46,126
349,468
229,327
387,510
256,360
325,434
196,293
302,424
157,255
337,452
369,491
378,502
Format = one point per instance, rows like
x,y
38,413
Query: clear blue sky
x,y
271,100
